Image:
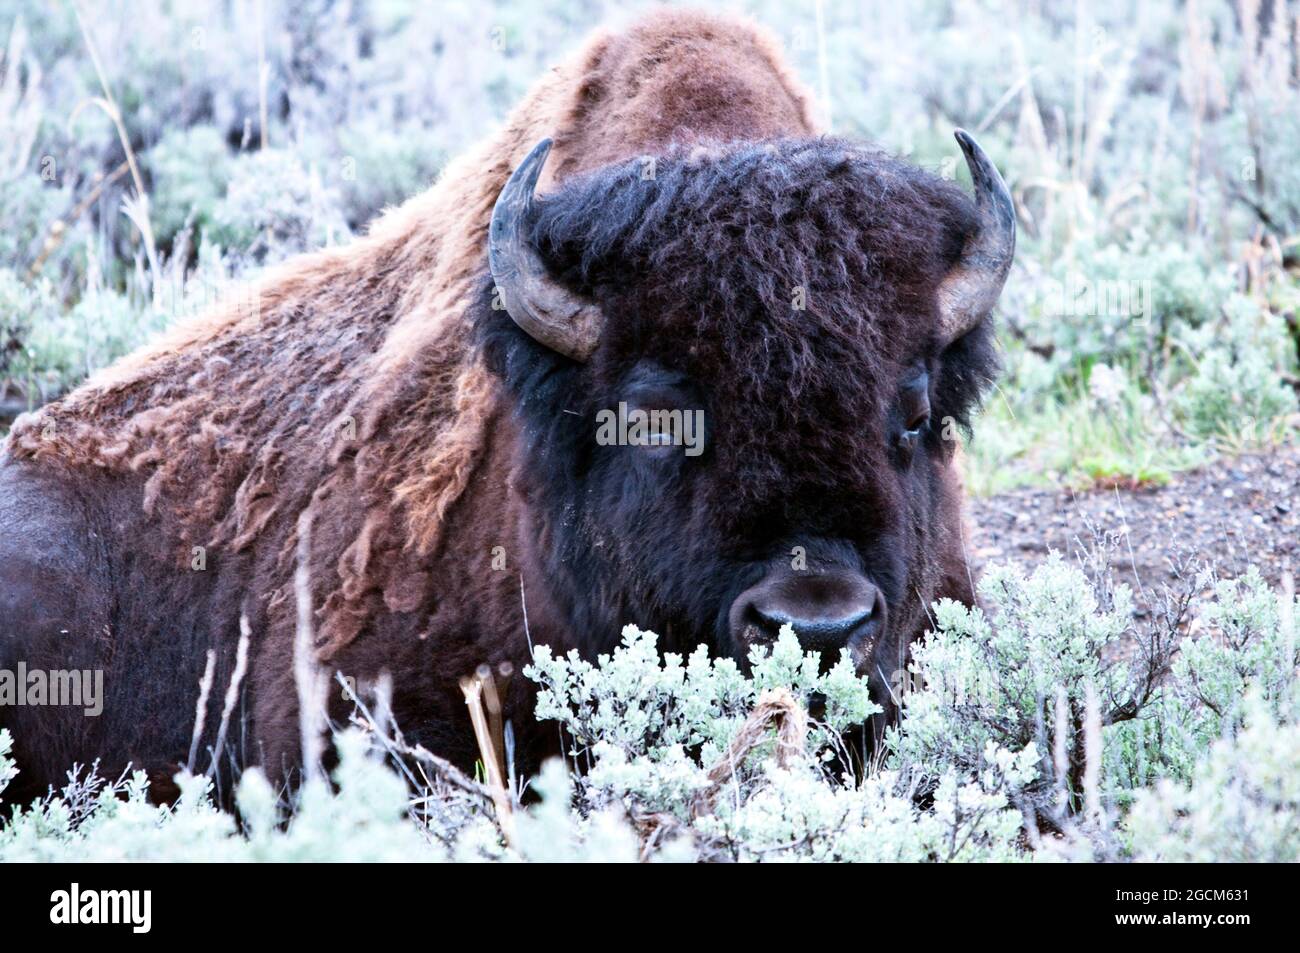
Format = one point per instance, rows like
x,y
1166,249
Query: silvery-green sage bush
x,y
1023,678
1245,642
657,737
1242,803
644,706
1054,642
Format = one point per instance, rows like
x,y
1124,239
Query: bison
x,y
392,448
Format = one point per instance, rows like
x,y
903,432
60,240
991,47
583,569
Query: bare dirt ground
x,y
1230,514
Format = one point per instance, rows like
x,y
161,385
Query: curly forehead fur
x,y
795,278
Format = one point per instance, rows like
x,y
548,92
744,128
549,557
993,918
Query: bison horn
x,y
547,312
973,285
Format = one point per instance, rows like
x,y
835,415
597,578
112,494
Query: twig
x,y
263,71
109,104
201,709
776,708
306,675
59,230
823,75
232,690
473,689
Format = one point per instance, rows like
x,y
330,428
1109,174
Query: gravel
x,y
1232,514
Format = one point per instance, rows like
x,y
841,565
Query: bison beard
x,y
377,388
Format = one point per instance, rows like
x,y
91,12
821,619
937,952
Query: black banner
x,y
143,903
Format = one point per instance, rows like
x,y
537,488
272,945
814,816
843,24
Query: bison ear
x,y
549,313
972,286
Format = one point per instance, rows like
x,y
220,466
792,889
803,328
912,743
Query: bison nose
x,y
817,633
828,612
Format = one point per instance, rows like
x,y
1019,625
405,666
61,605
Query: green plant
x,y
382,166
1236,395
1242,803
1027,679
189,170
275,206
730,764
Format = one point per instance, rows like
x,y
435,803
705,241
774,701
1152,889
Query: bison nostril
x,y
822,626
828,636
815,628
829,611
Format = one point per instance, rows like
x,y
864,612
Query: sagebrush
x,y
1052,726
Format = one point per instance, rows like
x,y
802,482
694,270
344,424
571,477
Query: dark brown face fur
x,y
787,291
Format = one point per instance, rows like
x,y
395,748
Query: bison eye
x,y
918,421
914,413
914,403
659,441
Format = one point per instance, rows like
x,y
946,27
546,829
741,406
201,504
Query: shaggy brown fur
x,y
348,373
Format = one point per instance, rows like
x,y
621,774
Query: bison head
x,y
738,377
